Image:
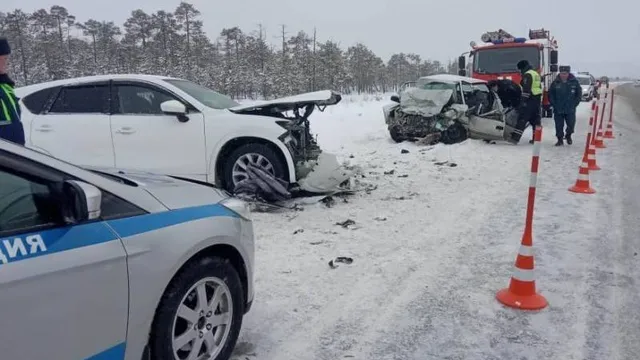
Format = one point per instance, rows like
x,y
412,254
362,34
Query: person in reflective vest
x,y
10,126
529,111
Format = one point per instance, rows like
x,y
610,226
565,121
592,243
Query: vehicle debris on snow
x,y
449,109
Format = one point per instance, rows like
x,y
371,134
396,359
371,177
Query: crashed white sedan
x,y
177,127
449,109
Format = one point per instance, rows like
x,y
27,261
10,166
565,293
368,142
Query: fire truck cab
x,y
501,51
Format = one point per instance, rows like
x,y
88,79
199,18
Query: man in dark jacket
x,y
529,111
565,95
10,126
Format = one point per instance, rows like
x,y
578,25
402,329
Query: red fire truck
x,y
501,51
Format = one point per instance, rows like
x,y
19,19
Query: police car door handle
x,y
44,128
125,130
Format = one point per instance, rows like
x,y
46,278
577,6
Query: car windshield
x,y
205,95
504,60
584,81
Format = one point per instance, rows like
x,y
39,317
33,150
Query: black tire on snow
x,y
454,134
161,337
264,150
395,134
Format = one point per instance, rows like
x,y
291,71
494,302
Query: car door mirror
x,y
175,107
395,98
81,201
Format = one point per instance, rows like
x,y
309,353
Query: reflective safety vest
x,y
536,84
7,111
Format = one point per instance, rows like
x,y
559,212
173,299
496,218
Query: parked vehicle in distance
x,y
117,265
588,85
173,126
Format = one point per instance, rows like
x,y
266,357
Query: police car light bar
x,y
509,40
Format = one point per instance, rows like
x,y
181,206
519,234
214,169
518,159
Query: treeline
x,y
53,44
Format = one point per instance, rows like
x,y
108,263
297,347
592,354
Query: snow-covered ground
x,y
433,243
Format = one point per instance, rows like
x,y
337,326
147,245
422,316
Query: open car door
x,y
487,122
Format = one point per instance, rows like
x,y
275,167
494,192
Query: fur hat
x,y
5,49
565,68
523,64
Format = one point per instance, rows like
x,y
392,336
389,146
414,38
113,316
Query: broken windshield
x,y
504,60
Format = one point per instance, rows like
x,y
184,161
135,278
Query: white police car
x,y
118,265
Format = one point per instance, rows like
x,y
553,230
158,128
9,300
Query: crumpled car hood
x,y
173,193
423,102
318,98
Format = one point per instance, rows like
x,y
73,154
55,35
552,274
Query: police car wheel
x,y
201,311
258,155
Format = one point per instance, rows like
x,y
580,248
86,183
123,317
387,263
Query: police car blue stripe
x,y
140,224
114,353
46,242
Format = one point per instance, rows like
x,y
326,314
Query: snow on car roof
x,y
452,79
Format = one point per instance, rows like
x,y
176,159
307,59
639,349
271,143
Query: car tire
x,y
454,134
179,290
266,152
395,134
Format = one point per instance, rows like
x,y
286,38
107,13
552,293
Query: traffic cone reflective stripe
x,y
591,159
590,150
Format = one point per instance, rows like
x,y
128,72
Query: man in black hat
x,y
565,95
529,111
10,126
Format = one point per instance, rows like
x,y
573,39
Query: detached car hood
x,y
317,98
174,193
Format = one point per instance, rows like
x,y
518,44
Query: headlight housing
x,y
237,206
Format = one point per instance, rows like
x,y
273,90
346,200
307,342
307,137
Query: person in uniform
x,y
10,126
565,95
531,101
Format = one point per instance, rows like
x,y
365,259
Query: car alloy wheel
x,y
202,323
239,171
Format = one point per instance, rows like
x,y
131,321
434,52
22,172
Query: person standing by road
x,y
10,126
531,84
565,95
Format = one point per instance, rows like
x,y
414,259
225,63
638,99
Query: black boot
x,y
569,140
559,143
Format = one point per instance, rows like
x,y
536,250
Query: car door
x,y
75,127
488,124
63,289
145,138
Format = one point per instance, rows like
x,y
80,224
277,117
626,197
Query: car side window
x,y
25,204
114,207
37,101
140,100
82,99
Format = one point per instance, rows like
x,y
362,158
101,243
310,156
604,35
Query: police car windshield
x,y
205,95
584,80
504,60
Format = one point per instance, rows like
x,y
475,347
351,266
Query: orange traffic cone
x,y
590,147
521,293
582,185
609,133
599,144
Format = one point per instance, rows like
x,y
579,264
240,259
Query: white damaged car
x,y
450,108
177,127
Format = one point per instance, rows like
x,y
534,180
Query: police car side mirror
x,y
395,98
81,201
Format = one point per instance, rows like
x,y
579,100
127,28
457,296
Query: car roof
x,y
450,78
25,90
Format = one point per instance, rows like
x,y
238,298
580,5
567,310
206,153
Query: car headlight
x,y
237,206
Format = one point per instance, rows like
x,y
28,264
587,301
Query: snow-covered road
x,y
433,243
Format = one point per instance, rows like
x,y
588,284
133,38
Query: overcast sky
x,y
597,36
